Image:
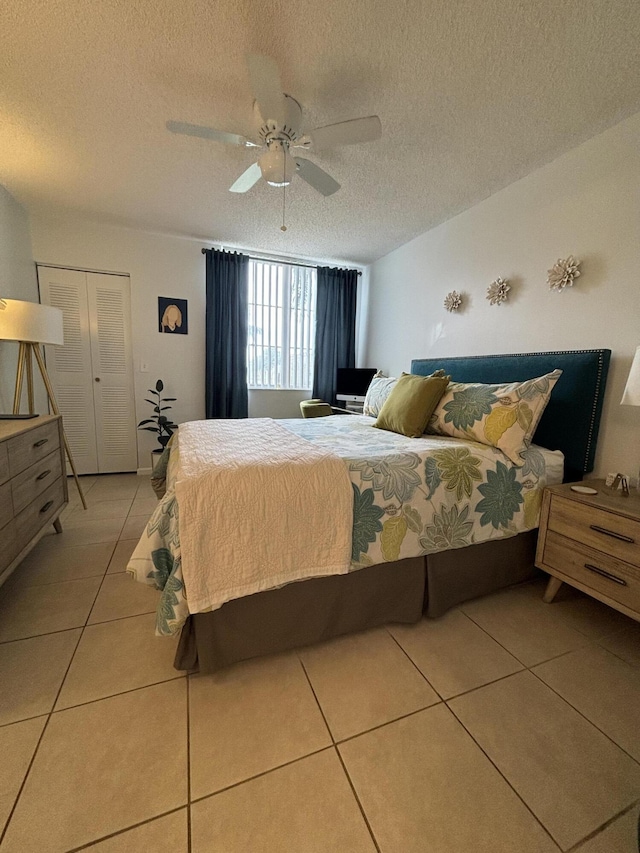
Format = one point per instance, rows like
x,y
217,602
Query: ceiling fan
x,y
278,127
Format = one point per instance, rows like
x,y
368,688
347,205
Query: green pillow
x,y
411,403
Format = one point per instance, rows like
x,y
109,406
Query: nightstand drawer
x,y
32,446
596,570
6,504
605,531
40,512
27,486
4,463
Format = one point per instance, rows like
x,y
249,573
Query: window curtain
x,y
335,328
226,394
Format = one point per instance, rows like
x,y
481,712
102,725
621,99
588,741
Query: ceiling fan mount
x,y
278,121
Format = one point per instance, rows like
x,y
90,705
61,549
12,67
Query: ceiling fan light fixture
x,y
277,165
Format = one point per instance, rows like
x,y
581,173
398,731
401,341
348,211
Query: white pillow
x,y
377,393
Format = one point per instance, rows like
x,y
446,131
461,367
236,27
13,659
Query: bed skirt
x,y
310,611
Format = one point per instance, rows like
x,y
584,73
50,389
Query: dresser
x,y
593,543
33,485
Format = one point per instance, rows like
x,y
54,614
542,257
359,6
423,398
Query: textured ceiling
x,y
472,95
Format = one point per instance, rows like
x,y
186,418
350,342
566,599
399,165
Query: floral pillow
x,y
377,394
502,416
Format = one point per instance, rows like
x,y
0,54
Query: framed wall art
x,y
172,316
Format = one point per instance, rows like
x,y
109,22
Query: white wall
x,y
586,203
158,265
17,281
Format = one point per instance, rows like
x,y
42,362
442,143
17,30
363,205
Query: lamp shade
x,y
631,396
30,322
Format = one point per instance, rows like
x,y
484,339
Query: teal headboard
x,y
571,420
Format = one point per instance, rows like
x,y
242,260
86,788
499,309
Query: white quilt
x,y
259,508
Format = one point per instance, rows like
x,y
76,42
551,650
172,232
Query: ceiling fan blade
x,y
247,179
316,177
267,87
186,129
346,132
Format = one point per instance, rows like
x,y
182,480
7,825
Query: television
x,y
352,382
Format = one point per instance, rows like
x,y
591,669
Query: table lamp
x,y
631,396
32,324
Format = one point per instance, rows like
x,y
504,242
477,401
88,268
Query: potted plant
x,y
159,423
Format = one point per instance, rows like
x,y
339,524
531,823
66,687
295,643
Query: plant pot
x,y
155,458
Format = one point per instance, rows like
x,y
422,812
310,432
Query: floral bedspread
x,y
411,496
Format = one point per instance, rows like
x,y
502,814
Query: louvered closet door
x,y
112,360
69,366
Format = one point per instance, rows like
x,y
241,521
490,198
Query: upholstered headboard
x,y
572,418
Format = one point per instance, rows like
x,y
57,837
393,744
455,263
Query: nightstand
x,y
593,543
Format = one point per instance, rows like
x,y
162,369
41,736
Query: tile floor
x,y
508,725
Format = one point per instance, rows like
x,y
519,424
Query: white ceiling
x,y
472,95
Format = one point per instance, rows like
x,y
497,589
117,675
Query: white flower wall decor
x,y
453,301
563,273
498,291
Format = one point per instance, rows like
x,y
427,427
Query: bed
x,y
419,548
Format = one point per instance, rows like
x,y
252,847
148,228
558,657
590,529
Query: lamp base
x,y
17,417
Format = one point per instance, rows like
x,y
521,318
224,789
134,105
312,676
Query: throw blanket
x,y
259,508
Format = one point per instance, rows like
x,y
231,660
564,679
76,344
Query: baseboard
x,y
144,472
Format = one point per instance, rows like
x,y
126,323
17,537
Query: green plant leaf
x,y
146,421
168,399
147,400
151,391
164,408
159,385
151,429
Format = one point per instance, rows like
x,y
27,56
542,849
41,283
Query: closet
x,y
92,374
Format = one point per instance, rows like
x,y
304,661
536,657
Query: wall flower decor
x,y
563,273
498,291
453,301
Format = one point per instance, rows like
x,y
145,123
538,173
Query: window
x,y
281,326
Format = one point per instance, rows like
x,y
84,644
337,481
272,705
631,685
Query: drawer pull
x,y
47,506
41,442
615,535
604,574
44,474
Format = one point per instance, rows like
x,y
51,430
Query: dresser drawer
x,y
30,447
10,547
4,463
605,574
597,528
27,486
40,511
6,510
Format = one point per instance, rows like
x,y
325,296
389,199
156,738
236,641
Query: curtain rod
x,y
283,263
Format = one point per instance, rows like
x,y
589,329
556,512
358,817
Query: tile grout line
x,y
493,764
37,748
122,831
261,774
357,799
53,704
84,625
576,847
584,717
113,695
304,669
413,663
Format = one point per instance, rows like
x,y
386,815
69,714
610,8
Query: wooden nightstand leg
x,y
57,525
552,588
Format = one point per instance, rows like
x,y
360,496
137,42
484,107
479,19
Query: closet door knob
x,y
97,379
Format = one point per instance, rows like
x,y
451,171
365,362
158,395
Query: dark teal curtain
x,y
335,328
226,394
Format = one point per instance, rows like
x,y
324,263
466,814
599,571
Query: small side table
x,y
593,543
